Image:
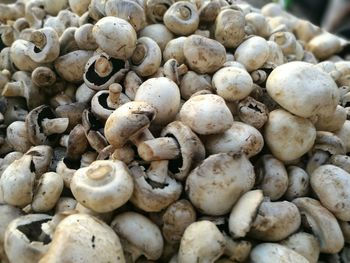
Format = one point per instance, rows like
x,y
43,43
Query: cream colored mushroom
x,y
303,89
85,239
206,114
298,183
202,242
288,136
138,235
103,186
324,45
215,185
344,134
275,253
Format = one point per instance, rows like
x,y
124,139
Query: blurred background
x,y
333,15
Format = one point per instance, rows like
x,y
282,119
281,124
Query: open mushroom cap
x,y
139,235
244,212
83,238
127,121
102,186
191,149
24,239
206,114
331,184
275,253
215,185
288,136
322,223
202,241
303,89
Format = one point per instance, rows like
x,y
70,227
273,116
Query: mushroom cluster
x,y
171,131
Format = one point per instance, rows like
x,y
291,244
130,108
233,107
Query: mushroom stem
x,y
158,171
114,94
103,67
13,89
145,135
38,39
54,126
163,148
182,69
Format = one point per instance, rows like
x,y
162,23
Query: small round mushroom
x,y
147,56
159,33
164,95
16,136
275,253
139,236
252,112
314,92
324,45
240,137
176,218
333,122
84,38
115,36
342,161
331,185
288,136
256,24
192,82
102,186
343,134
18,52
17,182
322,223
229,27
272,176
204,55
298,183
252,53
215,185
201,242
243,213
206,114
43,77
43,127
175,49
131,11
25,240
304,244
84,238
181,18
232,83
275,221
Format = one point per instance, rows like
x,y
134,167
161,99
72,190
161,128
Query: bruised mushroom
x,y
215,185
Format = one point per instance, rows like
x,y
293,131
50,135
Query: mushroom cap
x,y
288,136
152,198
164,95
191,148
275,253
35,131
232,83
331,184
202,241
252,53
102,186
16,135
324,45
83,238
344,133
305,244
333,122
215,185
127,121
115,36
17,182
298,183
275,221
204,55
303,89
244,212
159,33
175,49
24,239
138,232
240,137
206,114
323,224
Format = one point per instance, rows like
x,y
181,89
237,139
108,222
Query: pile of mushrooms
x,y
171,131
